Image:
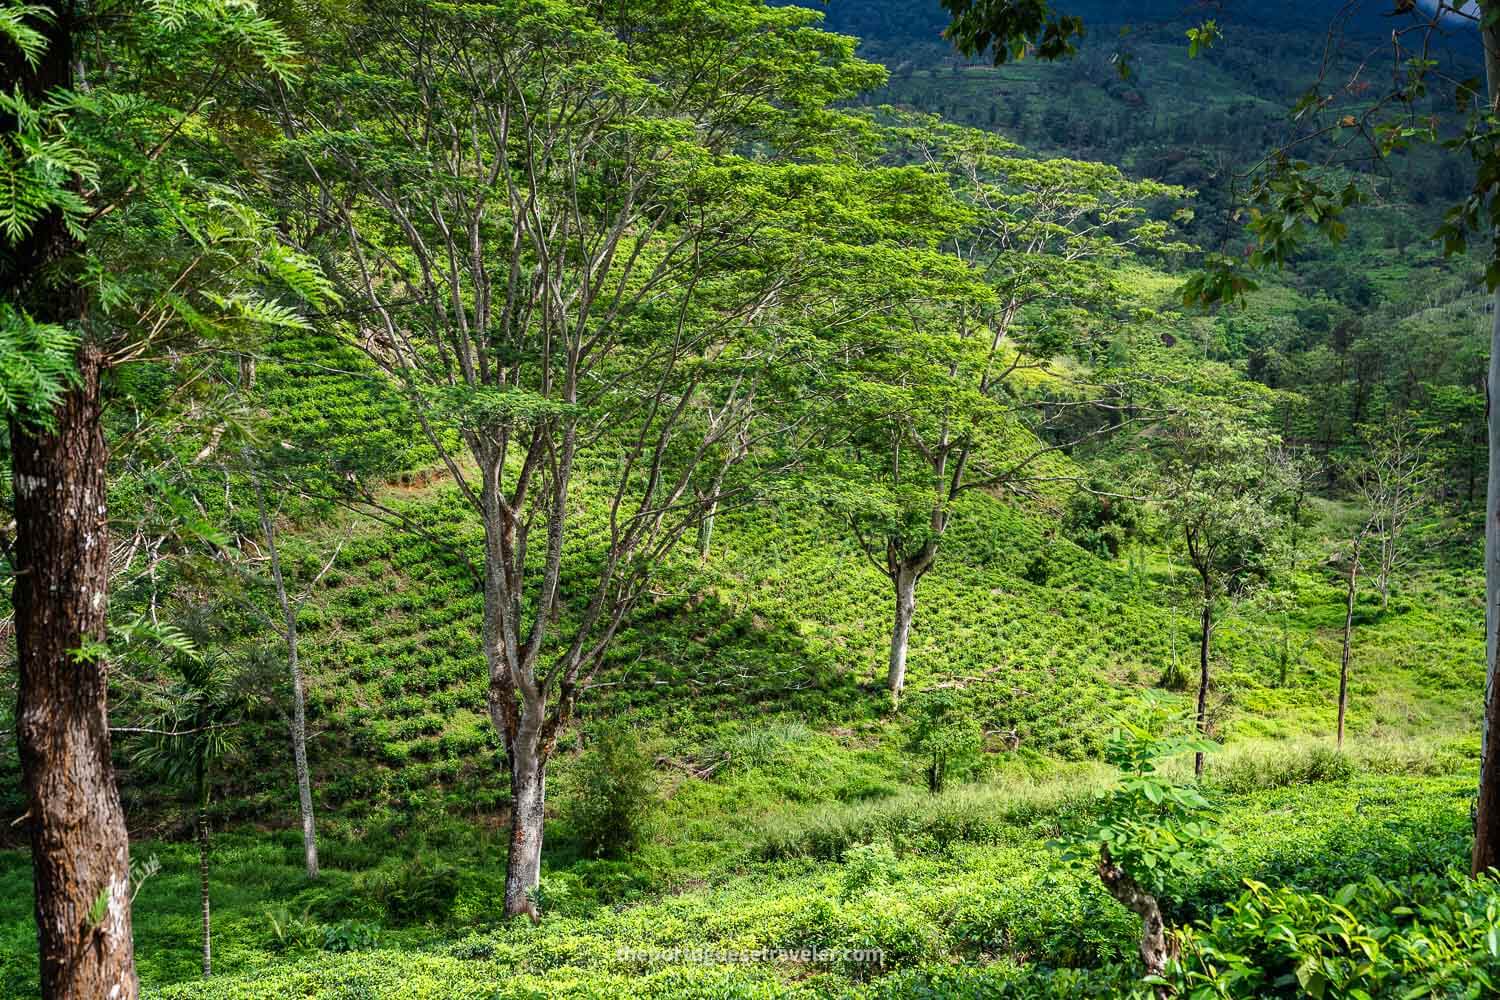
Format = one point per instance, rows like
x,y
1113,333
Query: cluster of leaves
x,y
945,737
615,793
1153,825
1429,935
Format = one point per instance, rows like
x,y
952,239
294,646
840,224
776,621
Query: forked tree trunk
x,y
79,849
1487,807
905,581
1157,947
1204,642
517,706
1352,590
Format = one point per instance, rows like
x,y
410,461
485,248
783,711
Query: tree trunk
x,y
299,700
528,799
1349,598
1487,808
79,849
1157,948
208,962
905,580
706,530
1286,648
1387,567
1203,650
706,526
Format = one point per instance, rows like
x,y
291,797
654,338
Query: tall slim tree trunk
x,y
202,826
1487,808
706,530
905,580
79,850
299,699
706,526
1204,642
1352,591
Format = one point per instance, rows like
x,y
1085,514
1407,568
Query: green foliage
x,y
1314,765
288,931
350,935
614,797
868,866
949,741
1152,825
195,711
421,889
36,366
1425,936
1008,29
1103,525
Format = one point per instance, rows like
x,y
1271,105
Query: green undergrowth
x,y
928,881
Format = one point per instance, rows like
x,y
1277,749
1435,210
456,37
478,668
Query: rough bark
x,y
906,608
298,723
528,795
1157,947
79,849
1487,808
203,895
1204,641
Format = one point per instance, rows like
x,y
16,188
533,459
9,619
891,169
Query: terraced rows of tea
x,y
1041,640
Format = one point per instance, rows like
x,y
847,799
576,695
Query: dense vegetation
x,y
747,501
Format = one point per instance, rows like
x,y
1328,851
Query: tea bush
x,y
614,792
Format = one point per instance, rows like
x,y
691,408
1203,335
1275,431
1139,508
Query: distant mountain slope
x,y
889,24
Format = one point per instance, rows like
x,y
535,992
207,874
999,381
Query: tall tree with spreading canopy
x,y
953,392
1225,488
582,282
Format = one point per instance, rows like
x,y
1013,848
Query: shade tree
x,y
952,389
594,256
1225,491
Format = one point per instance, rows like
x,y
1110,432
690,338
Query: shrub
x,y
946,737
1297,766
615,795
350,935
288,931
757,747
417,891
1427,936
868,866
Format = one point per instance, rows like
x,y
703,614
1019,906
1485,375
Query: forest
x,y
864,499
